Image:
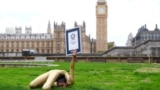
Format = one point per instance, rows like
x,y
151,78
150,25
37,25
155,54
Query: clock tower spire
x,y
101,26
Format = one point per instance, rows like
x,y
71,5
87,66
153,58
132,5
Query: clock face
x,y
101,10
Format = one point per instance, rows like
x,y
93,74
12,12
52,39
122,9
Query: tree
x,y
110,45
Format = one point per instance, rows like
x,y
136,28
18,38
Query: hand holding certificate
x,y
73,40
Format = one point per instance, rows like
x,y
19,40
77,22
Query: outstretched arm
x,y
73,60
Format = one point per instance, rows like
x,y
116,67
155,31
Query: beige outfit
x,y
48,79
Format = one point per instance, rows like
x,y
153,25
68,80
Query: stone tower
x,y
59,38
18,30
28,30
101,26
85,39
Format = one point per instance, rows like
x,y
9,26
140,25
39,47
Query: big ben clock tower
x,y
101,26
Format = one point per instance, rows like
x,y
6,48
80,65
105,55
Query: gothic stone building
x,y
50,42
145,43
144,34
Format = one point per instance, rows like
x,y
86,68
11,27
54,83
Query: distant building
x,y
144,34
147,48
43,42
145,43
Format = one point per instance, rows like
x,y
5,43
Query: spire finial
x,y
84,24
75,24
49,27
156,26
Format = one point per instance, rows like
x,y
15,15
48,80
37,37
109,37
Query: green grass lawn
x,y
89,76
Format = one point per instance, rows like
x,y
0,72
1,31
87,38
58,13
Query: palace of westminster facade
x,y
54,42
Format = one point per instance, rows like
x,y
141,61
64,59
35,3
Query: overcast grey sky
x,y
124,16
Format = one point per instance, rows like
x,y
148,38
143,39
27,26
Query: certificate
x,y
73,40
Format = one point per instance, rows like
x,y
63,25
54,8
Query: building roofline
x,y
129,47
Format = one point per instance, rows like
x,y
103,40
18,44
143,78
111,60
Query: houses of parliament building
x,y
54,42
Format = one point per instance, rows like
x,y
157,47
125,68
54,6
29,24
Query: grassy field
x,y
89,76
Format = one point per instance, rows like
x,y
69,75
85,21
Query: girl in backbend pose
x,y
60,78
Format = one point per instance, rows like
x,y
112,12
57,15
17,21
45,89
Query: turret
x,y
156,28
49,28
18,30
145,28
59,27
28,30
75,24
84,24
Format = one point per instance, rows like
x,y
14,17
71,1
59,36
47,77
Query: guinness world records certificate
x,y
73,40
